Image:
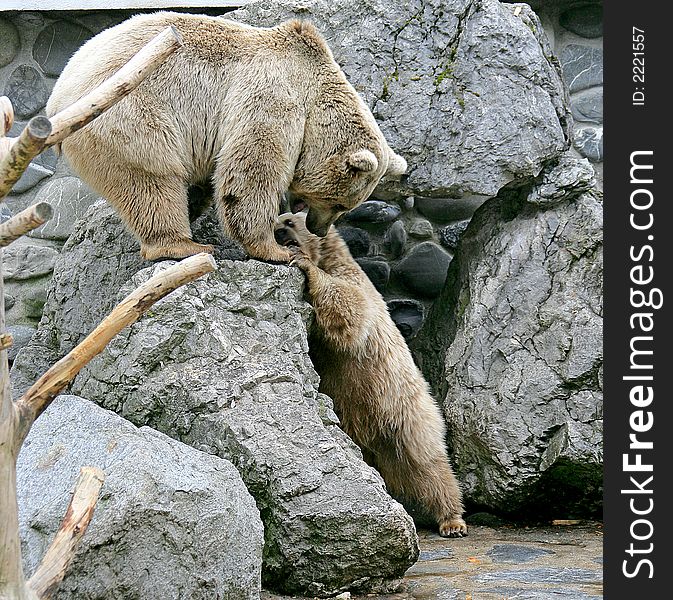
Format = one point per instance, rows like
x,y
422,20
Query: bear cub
x,y
366,367
254,112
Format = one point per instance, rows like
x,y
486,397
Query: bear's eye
x,y
289,223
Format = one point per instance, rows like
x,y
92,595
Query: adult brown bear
x,y
254,111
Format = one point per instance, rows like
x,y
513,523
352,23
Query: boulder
x,y
24,260
171,522
513,347
469,93
222,364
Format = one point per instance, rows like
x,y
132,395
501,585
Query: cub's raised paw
x,y
454,527
300,259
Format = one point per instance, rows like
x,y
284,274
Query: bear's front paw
x,y
300,258
454,527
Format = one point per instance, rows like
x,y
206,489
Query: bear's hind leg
x,y
156,210
425,478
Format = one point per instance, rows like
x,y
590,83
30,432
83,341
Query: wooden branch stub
x,y
111,91
6,115
27,146
128,311
55,562
25,221
6,341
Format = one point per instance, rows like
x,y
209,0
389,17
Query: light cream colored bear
x,y
253,111
366,367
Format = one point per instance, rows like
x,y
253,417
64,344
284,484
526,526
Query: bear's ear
x,y
363,160
396,165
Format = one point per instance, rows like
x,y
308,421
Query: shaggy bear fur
x,y
366,367
254,111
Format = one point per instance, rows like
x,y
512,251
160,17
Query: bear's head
x,y
343,157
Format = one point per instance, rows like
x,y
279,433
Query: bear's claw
x,y
455,527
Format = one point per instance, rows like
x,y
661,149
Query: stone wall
x,y
575,30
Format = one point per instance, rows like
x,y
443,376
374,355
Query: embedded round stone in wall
x,y
5,213
585,21
9,301
588,106
373,211
35,297
407,315
378,272
589,142
30,178
70,198
21,335
356,239
10,44
444,210
56,43
396,239
450,235
582,66
27,261
96,22
27,90
423,270
421,229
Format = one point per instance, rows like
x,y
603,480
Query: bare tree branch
x,y
55,562
45,389
23,222
24,149
6,341
86,109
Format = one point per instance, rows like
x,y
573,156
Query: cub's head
x,y
290,230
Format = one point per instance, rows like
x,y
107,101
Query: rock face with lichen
x,y
513,347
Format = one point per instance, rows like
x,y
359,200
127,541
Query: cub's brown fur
x,y
366,367
257,111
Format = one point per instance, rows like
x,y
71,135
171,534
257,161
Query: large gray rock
x,y
171,522
468,92
113,256
514,347
222,364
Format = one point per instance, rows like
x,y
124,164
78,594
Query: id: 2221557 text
x,y
638,66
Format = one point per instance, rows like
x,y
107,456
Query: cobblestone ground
x,y
531,563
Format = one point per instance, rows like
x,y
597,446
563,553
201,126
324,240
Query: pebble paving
x,y
503,563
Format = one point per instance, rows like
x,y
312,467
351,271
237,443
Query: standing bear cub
x,y
366,367
251,111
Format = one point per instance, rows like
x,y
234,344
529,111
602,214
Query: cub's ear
x,y
363,160
396,165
